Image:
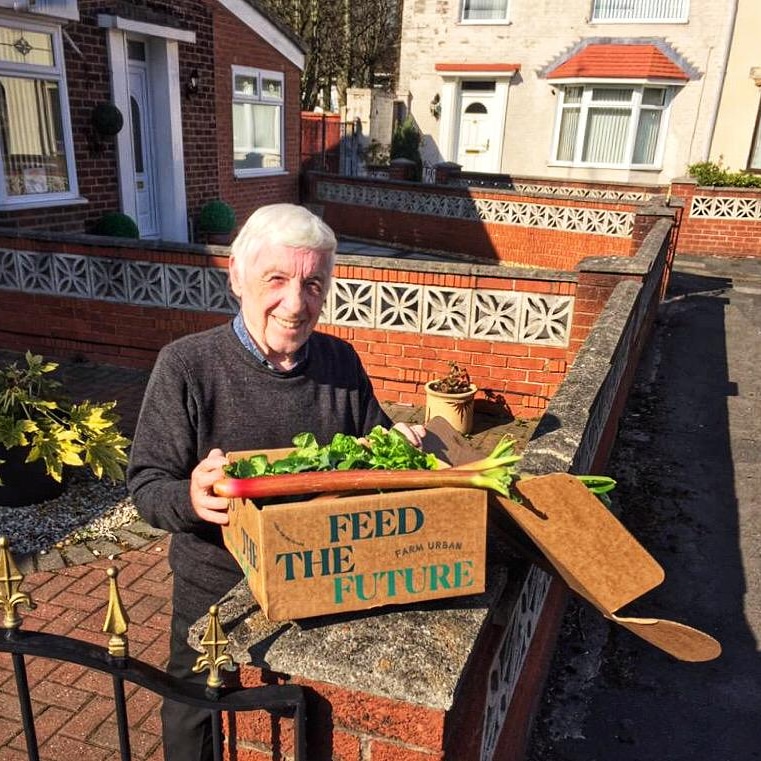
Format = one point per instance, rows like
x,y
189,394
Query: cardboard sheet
x,y
599,559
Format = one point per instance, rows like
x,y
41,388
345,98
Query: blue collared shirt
x,y
239,326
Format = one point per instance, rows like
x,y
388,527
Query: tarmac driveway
x,y
687,462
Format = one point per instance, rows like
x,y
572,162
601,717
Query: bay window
x,y
258,102
611,125
485,11
36,152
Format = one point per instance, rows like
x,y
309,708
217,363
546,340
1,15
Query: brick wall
x,y
236,44
492,225
517,348
718,221
206,116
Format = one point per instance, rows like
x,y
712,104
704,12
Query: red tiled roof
x,y
619,61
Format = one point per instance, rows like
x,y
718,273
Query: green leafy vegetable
x,y
384,450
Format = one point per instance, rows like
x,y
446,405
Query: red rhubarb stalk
x,y
262,487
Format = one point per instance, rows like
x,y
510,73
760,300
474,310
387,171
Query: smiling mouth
x,y
287,324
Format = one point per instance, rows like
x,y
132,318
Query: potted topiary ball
x,y
43,433
216,222
452,396
116,225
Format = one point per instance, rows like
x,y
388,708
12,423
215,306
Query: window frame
x,y
756,138
56,73
482,21
261,98
634,107
684,19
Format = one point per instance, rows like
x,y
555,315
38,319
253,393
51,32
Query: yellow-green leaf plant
x,y
34,413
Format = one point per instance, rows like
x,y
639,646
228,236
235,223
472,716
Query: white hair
x,y
284,224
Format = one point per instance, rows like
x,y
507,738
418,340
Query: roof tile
x,y
619,61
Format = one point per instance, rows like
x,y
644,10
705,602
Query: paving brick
x,y
131,538
141,743
52,587
93,583
49,721
60,747
89,718
80,602
142,704
51,561
64,696
77,554
8,730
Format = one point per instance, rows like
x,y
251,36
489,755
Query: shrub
x,y
117,225
405,144
216,217
713,174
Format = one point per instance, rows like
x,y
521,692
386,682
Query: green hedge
x,y
710,173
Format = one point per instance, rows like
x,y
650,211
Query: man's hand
x,y
207,506
413,433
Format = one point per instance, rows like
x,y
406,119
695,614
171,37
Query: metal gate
x,y
278,700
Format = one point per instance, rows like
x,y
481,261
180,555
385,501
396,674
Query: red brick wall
x,y
534,246
726,236
524,376
236,44
399,363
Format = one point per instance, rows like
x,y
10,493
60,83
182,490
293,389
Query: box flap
x,y
599,559
590,548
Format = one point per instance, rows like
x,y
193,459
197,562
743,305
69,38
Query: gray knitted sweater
x,y
207,390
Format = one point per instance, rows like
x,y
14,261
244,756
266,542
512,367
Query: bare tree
x,y
348,43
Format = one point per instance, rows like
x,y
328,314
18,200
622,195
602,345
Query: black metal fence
x,y
279,700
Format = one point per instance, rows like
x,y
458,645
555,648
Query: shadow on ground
x,y
686,460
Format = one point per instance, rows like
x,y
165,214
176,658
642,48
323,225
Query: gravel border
x,y
90,519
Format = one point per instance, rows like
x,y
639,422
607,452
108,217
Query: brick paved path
x,y
73,707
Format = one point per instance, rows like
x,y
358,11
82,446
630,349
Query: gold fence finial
x,y
214,642
117,620
10,581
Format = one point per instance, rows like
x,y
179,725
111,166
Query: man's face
x,y
281,292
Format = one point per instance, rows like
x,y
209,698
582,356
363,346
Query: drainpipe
x,y
722,77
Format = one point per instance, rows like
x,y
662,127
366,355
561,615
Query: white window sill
x,y
250,174
638,21
611,167
485,22
40,204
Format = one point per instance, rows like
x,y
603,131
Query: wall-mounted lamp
x,y
191,87
436,106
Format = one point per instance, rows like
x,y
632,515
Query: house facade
x,y
146,108
607,90
736,141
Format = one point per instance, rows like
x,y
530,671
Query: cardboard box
x,y
340,554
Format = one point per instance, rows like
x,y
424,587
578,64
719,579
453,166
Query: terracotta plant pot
x,y
456,409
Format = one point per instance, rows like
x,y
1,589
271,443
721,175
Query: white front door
x,y
477,149
143,150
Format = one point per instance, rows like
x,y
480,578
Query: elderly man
x,y
252,383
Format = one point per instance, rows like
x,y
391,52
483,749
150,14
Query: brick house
x,y
587,90
207,90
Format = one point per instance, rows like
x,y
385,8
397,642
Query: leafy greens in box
x,y
381,450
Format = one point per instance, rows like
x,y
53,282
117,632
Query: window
x,y
257,121
611,126
484,10
640,11
36,154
